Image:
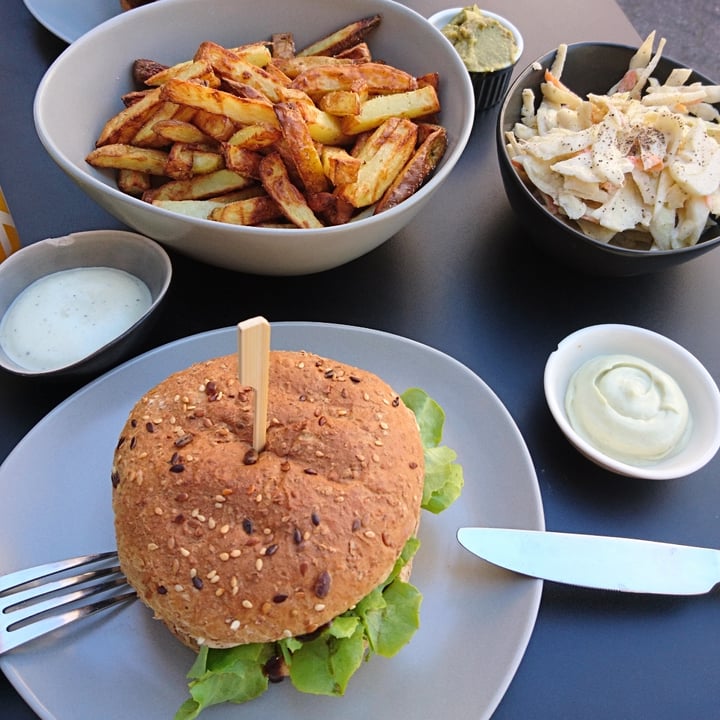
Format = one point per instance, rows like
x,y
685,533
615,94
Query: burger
x,y
291,561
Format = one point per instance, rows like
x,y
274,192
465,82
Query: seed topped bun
x,y
228,546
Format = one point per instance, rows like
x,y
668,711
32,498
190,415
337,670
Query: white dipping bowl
x,y
117,249
83,87
695,381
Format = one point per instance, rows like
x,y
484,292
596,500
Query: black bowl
x,y
589,68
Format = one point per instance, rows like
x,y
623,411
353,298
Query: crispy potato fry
x,y
255,137
232,66
199,70
251,211
417,170
174,130
294,66
243,111
383,156
133,182
129,157
282,45
301,146
339,166
412,104
379,79
242,160
331,209
343,38
277,183
121,128
199,187
259,134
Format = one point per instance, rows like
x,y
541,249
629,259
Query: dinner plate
x,y
69,19
476,619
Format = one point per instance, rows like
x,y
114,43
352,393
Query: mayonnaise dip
x,y
628,409
67,315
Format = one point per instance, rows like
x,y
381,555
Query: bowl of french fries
x,y
271,138
610,155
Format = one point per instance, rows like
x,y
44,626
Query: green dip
x,y
482,42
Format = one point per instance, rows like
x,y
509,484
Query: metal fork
x,y
38,600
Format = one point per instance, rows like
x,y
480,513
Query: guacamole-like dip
x,y
482,42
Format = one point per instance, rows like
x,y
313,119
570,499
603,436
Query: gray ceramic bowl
x,y
590,67
69,115
137,255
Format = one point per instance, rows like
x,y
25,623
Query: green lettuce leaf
x,y
443,476
381,623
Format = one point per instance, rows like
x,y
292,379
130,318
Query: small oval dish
x,y
697,385
67,285
489,87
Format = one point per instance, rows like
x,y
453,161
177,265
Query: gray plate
x,y
69,19
476,620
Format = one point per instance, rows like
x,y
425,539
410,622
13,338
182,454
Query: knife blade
x,y
597,561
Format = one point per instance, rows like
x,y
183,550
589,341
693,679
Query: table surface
x,y
462,278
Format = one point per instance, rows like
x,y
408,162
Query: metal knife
x,y
596,561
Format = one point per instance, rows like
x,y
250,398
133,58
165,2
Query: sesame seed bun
x,y
228,546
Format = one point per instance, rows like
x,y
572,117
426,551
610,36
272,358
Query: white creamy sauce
x,y
66,316
628,409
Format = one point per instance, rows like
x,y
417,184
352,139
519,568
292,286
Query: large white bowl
x,y
82,90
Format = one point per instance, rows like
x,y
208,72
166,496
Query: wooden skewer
x,y
253,368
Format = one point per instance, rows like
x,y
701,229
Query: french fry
x,y
243,111
241,160
185,160
412,104
255,137
251,211
121,128
192,208
330,208
302,147
343,38
232,66
277,183
199,187
383,155
356,53
217,127
282,45
417,170
199,70
142,69
379,79
133,182
339,166
344,102
294,66
146,136
128,157
174,130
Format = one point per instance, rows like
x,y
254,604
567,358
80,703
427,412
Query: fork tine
x,y
14,637
32,603
35,574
